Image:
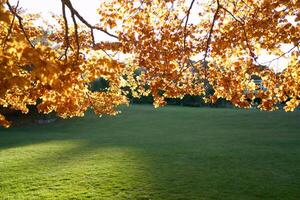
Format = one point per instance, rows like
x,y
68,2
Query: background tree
x,y
157,38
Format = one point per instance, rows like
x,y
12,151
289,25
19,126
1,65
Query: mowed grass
x,y
167,153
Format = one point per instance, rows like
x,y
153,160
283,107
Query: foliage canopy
x,y
156,40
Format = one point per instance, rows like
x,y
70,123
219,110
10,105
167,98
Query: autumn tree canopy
x,y
151,51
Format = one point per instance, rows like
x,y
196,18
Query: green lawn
x,y
168,153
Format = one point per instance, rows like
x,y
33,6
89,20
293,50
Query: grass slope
x,y
169,153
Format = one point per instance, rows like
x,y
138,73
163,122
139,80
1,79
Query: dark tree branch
x,y
186,22
76,35
11,26
93,37
67,40
211,31
20,20
76,13
245,3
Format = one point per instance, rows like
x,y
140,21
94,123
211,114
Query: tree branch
x,y
211,31
20,19
11,26
186,22
67,40
76,35
76,13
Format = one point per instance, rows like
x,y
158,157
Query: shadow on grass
x,y
174,153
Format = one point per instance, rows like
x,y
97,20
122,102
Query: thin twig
x,y
283,54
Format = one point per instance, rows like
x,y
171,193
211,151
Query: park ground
x,y
168,153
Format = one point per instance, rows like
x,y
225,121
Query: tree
x,y
157,38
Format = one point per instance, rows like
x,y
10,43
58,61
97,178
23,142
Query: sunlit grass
x,y
169,153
